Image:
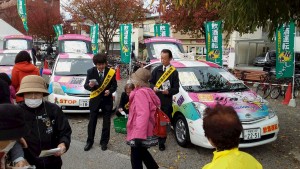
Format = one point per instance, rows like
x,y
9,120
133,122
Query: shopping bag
x,y
161,123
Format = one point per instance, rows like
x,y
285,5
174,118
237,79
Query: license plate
x,y
83,103
251,134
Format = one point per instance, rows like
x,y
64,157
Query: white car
x,y
204,84
66,84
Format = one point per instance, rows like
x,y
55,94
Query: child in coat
x,y
124,101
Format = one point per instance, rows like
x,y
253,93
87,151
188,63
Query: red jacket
x,y
19,71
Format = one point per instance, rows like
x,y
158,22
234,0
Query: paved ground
x,y
283,153
76,158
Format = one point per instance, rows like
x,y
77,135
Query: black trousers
x,y
168,109
106,111
140,155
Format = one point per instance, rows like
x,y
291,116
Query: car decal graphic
x,y
72,85
244,103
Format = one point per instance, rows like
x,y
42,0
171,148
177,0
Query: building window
x,y
114,46
146,28
297,32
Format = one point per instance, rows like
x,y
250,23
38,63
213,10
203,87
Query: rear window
x,y
262,55
297,57
272,55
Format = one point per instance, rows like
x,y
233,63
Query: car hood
x,y
14,51
72,84
248,105
6,69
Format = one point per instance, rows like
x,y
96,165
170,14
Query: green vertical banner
x,y
125,42
213,44
21,7
162,30
94,33
58,30
285,37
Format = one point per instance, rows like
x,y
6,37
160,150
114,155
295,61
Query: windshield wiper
x,y
72,74
227,90
190,90
6,65
233,89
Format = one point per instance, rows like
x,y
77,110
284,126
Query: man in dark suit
x,y
168,87
101,81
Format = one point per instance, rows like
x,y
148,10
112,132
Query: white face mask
x,y
33,103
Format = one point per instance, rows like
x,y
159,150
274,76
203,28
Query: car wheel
x,y
181,130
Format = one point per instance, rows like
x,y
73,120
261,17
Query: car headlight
x,y
57,89
272,113
200,107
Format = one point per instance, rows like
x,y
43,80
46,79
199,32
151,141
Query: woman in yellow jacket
x,y
223,128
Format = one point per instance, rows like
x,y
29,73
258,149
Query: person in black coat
x,y
169,87
47,126
4,92
124,101
96,77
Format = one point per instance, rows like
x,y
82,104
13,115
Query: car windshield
x,y
261,55
272,55
16,44
75,46
209,79
73,67
7,59
156,49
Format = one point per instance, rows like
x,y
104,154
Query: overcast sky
x,y
64,2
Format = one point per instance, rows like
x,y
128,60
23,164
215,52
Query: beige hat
x,y
33,83
141,76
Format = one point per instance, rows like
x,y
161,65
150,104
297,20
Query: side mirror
x,y
47,72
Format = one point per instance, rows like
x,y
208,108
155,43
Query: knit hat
x,y
12,123
33,83
141,76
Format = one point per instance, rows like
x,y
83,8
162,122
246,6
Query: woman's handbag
x,y
161,123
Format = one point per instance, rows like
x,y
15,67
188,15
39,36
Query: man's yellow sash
x,y
106,80
165,76
127,106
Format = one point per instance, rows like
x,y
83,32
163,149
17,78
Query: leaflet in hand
x,y
94,81
45,153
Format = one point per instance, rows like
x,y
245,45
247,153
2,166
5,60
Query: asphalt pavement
x,y
76,158
284,153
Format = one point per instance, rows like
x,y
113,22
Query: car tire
x,y
181,131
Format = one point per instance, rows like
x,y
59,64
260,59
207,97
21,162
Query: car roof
x,y
190,63
162,39
74,37
75,56
18,37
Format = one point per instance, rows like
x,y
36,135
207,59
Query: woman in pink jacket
x,y
142,106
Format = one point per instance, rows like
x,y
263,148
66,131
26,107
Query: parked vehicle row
x,y
202,84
